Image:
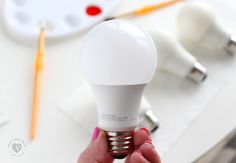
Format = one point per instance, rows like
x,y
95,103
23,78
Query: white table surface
x,y
59,139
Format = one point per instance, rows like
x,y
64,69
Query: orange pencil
x,y
39,64
147,9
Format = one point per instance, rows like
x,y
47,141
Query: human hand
x,y
144,150
97,150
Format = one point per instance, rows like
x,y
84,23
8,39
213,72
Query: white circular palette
x,y
22,18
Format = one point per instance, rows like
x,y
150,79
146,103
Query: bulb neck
x,y
120,143
118,106
198,73
216,36
230,47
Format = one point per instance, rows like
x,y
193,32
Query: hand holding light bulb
x,y
118,59
197,24
97,150
175,59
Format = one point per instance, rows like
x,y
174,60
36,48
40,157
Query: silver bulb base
x,y
198,73
120,143
230,47
149,120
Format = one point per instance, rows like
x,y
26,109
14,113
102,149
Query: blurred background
x,y
196,119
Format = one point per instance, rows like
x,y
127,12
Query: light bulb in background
x,y
197,24
172,57
118,59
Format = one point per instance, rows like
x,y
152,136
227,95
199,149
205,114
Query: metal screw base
x,y
198,73
230,48
120,143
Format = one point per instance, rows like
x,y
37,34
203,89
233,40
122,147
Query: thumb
x,y
97,150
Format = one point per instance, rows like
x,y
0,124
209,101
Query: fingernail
x,y
149,142
95,134
146,130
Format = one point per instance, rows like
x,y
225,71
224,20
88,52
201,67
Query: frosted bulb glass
x,y
197,24
118,59
172,57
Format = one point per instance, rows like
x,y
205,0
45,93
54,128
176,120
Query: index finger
x,y
141,136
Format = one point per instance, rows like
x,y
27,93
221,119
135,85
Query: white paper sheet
x,y
179,102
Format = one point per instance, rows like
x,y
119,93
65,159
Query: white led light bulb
x,y
118,59
172,57
197,24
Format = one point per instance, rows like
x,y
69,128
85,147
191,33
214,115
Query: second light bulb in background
x,y
175,59
197,24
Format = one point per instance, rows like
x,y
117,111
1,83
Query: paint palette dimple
x,y
62,18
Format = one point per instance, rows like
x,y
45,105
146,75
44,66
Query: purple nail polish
x,y
95,134
146,130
